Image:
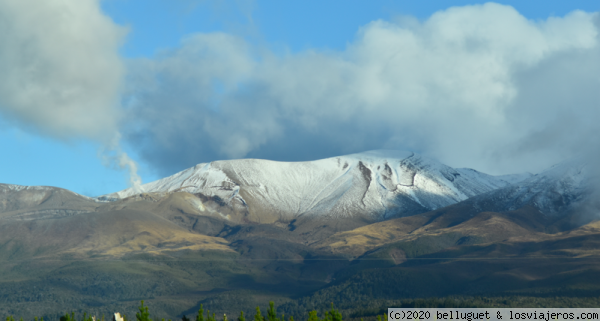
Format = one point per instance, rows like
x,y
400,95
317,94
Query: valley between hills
x,y
360,231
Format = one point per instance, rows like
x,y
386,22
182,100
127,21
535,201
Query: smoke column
x,y
112,155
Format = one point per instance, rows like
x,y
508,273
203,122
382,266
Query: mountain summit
x,y
374,185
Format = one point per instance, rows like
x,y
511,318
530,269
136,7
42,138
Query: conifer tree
x,y
241,317
312,316
335,315
258,316
200,316
143,315
224,317
271,314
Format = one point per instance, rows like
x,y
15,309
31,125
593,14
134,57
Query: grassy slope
x,y
176,255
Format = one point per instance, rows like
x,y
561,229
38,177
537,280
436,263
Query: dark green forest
x,y
311,310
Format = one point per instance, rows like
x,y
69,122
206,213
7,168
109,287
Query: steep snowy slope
x,y
375,185
552,191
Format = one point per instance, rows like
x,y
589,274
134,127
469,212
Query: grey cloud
x,y
557,108
473,86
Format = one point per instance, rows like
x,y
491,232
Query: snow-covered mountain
x,y
552,191
376,185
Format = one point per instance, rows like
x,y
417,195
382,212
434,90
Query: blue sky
x,y
251,66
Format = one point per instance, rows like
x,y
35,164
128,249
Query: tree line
x,y
143,314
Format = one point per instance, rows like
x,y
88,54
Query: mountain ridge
x,y
387,183
184,246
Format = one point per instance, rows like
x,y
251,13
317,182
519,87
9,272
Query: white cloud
x,y
61,72
473,86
